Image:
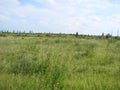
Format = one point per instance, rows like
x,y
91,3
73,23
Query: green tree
x,y
76,34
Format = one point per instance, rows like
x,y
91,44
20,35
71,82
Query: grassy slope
x,y
34,63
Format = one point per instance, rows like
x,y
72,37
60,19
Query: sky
x,y
92,17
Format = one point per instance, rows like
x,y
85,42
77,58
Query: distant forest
x,y
5,33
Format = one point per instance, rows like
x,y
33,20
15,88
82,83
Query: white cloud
x,y
30,11
4,18
9,2
43,23
116,16
52,2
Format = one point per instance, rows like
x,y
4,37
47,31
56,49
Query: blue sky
x,y
65,16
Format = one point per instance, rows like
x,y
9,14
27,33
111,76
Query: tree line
x,y
6,33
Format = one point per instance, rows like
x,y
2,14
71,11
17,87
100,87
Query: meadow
x,y
59,63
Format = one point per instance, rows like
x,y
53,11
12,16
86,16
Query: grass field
x,y
59,63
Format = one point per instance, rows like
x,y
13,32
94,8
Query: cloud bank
x,y
65,16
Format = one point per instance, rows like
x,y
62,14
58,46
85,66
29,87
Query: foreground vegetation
x,y
59,63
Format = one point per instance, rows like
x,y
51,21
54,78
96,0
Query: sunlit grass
x,y
54,63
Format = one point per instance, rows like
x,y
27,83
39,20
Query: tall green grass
x,y
56,63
